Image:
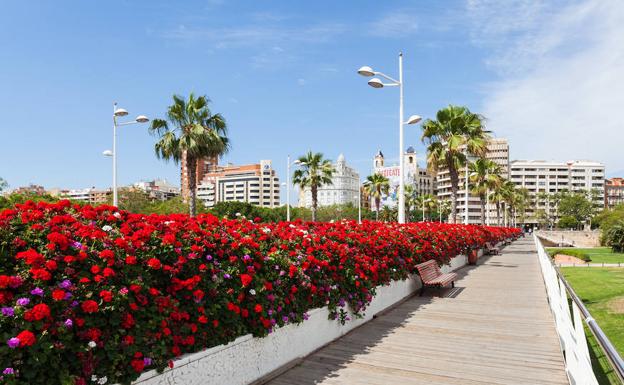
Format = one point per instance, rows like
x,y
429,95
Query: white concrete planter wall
x,y
248,359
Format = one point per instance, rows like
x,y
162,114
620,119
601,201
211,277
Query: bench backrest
x,y
428,270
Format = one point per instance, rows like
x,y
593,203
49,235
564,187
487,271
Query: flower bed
x,y
100,295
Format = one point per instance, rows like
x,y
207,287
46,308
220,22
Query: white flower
x,y
103,380
238,214
116,215
266,230
92,344
291,226
107,228
252,292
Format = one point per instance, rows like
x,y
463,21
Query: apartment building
x,y
543,179
90,195
158,189
497,151
614,192
257,184
343,189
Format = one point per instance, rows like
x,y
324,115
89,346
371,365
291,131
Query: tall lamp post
x,y
119,112
289,163
377,83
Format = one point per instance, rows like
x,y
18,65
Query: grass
x,y
594,254
602,291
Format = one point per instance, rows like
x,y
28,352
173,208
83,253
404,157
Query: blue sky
x,y
283,74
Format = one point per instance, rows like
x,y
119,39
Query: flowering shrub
x,y
95,295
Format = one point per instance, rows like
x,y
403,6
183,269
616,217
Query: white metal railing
x,y
569,326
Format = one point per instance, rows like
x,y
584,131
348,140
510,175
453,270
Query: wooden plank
x,y
497,328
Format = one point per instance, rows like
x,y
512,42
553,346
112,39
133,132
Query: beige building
x,y
614,192
546,178
497,151
257,184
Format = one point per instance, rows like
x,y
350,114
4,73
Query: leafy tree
x,y
376,186
314,172
568,222
484,175
133,200
576,205
615,237
455,130
426,201
11,200
3,184
189,134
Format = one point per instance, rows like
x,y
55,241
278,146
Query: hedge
x,y
97,295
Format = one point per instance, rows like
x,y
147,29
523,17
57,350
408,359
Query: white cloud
x,y
560,90
398,24
301,82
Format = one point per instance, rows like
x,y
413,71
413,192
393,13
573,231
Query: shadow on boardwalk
x,y
493,328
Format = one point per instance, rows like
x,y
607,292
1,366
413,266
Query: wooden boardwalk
x,y
495,327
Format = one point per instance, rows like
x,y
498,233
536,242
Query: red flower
x,y
31,256
89,306
41,274
246,279
154,263
137,365
27,338
131,260
58,295
106,295
37,313
258,308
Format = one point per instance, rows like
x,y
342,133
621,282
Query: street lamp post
x,y
119,112
377,83
466,192
289,163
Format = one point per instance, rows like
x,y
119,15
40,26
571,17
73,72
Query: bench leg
x,y
453,284
422,290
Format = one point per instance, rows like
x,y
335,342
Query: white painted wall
x,y
247,358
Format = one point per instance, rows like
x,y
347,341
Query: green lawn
x,y
596,254
602,291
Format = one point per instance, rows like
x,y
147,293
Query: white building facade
x,y
344,189
542,179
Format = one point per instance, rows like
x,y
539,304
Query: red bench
x,y
430,275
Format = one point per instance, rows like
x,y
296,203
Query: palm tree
x,y
500,194
484,176
410,199
189,134
454,131
376,186
427,202
314,172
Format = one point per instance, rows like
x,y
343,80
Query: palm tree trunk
x,y
482,198
314,191
377,204
498,216
191,167
454,183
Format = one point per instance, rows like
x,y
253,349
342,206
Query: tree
x,y
568,222
189,134
614,237
133,200
455,130
484,175
313,173
426,202
376,186
576,205
410,200
3,184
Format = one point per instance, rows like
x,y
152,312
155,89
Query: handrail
x,y
605,344
564,321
